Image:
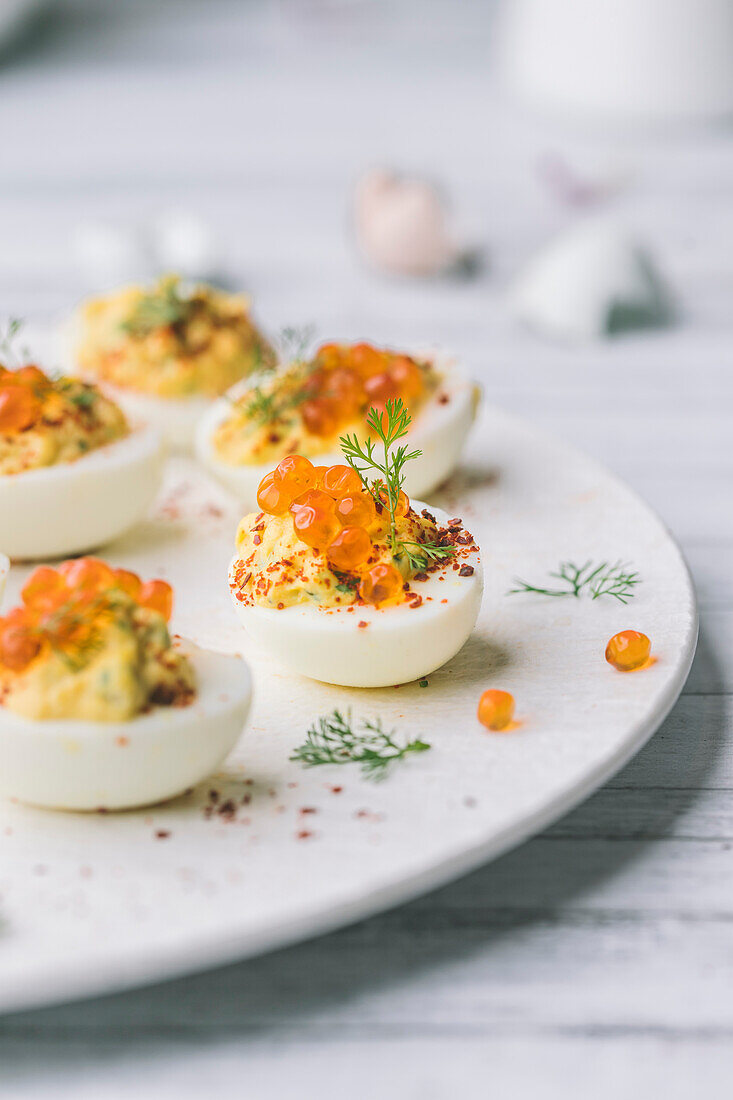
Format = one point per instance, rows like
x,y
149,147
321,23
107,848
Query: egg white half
x,y
439,430
70,765
72,507
398,644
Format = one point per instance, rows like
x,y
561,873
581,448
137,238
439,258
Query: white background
x,y
596,960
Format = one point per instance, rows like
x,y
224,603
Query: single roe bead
x,y
381,583
496,709
356,510
274,496
628,650
314,525
157,596
296,471
19,408
350,548
341,480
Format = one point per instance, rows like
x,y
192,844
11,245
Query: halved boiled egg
x,y
339,591
74,474
165,353
100,708
307,406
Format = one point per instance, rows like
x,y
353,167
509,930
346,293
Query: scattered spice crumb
x,y
308,810
304,834
162,834
362,624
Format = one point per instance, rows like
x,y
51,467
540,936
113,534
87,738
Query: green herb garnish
x,y
163,307
606,579
333,740
389,426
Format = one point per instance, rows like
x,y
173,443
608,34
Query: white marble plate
x,y
94,903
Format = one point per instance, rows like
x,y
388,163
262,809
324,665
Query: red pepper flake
x,y
465,539
304,834
336,790
465,571
443,399
308,810
420,576
227,809
416,602
257,539
280,606
258,527
428,515
162,834
455,523
363,624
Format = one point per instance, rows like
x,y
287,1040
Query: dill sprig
x,y
10,353
615,579
267,402
332,739
389,426
163,307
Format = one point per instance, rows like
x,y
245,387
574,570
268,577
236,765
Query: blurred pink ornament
x,y
401,225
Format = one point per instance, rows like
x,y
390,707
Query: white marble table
x,y
597,959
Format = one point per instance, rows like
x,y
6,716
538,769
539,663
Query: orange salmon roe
x,y
356,510
45,589
60,605
350,548
380,387
320,416
314,525
18,645
344,387
496,709
341,480
628,650
296,471
87,575
274,495
314,498
128,582
31,375
157,596
19,408
381,583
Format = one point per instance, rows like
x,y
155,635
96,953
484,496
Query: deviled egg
x,y
74,473
99,706
351,583
306,406
166,352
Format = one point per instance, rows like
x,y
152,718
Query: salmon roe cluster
x,y
331,513
60,606
349,379
21,398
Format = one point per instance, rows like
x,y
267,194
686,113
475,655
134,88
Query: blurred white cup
x,y
640,61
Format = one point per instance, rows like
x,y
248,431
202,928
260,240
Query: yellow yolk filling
x,y
74,419
276,569
124,664
165,343
249,437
